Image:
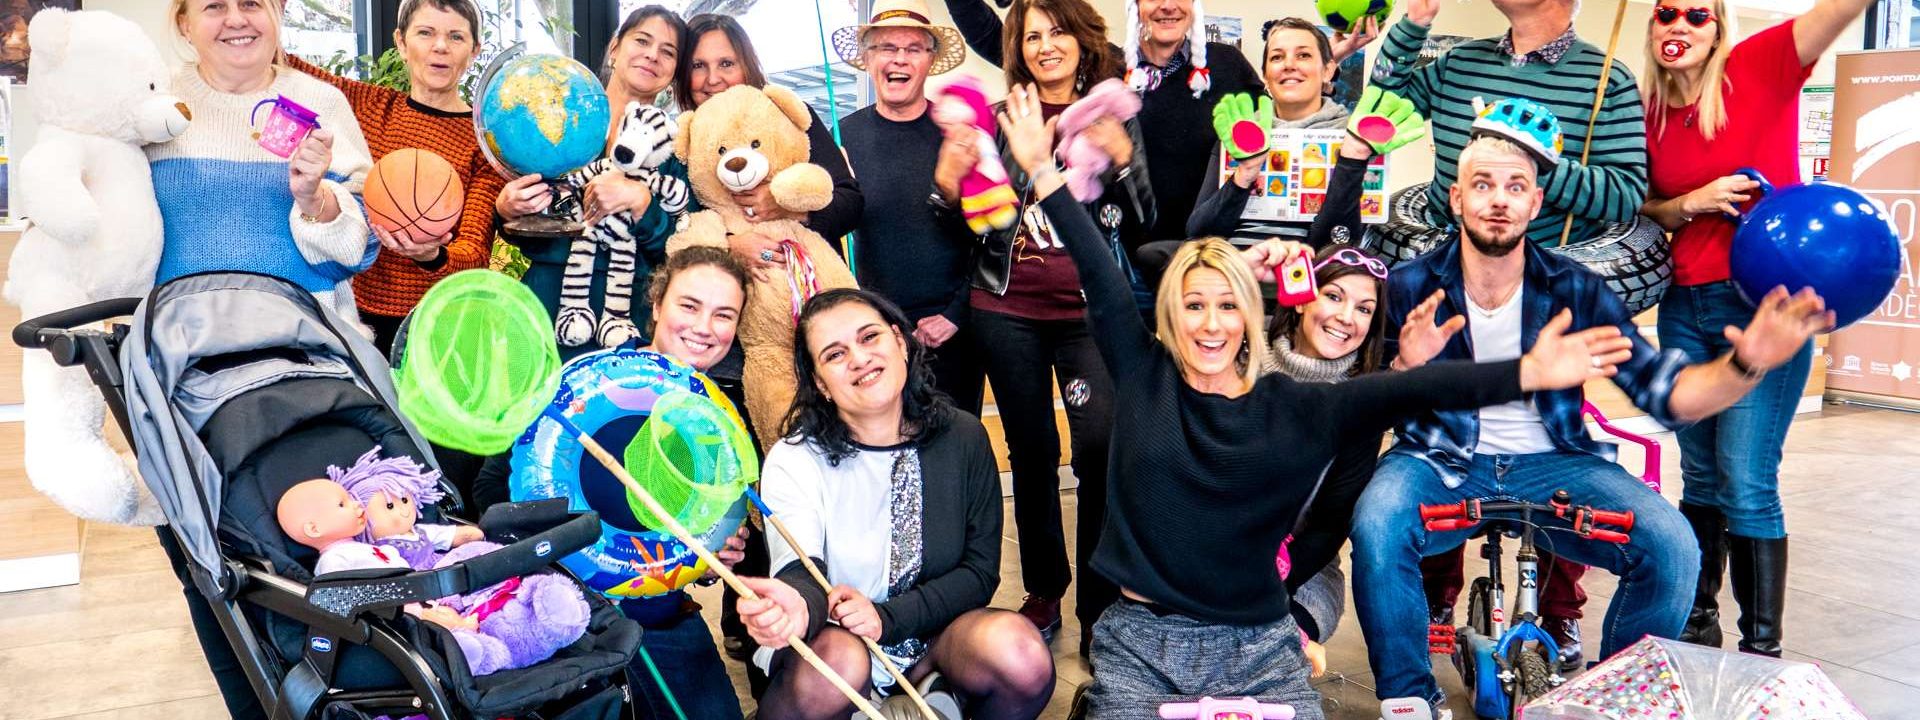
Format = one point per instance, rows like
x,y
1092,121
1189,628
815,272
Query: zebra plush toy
x,y
644,143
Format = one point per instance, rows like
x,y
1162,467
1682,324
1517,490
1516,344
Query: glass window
x,y
1898,26
322,29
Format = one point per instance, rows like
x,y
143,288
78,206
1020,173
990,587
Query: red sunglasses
x,y
1697,17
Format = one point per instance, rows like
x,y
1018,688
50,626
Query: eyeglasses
x,y
1353,258
1697,17
911,52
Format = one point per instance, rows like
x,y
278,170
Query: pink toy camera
x,y
1295,281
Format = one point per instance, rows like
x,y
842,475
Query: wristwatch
x,y
1749,372
938,200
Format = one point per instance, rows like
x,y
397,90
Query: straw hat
x,y
950,48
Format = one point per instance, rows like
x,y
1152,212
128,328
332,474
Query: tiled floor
x,y
118,645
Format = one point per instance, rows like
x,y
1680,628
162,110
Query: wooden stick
x,y
1599,97
872,647
680,533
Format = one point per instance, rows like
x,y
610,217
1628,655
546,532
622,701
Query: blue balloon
x,y
1822,235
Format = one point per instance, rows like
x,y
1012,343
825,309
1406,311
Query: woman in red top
x,y
1713,107
438,40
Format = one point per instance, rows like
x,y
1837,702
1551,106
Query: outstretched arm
x,y
1122,337
1815,31
1779,329
980,25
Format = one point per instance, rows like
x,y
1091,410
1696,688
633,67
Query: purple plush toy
x,y
521,621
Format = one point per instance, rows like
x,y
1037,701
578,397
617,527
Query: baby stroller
x,y
234,387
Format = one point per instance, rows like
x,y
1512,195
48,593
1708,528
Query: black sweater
x,y
1203,488
1177,125
916,255
959,538
842,215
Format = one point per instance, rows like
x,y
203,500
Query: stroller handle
x,y
34,334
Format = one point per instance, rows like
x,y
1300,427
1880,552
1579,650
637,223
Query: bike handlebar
x,y
1585,519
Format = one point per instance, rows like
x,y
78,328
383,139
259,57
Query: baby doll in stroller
x,y
365,517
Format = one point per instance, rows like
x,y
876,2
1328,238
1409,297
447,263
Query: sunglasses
x,y
1697,17
1352,258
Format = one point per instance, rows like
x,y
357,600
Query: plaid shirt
x,y
1549,53
1157,73
1447,438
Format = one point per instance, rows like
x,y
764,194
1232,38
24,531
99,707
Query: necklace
x,y
1497,306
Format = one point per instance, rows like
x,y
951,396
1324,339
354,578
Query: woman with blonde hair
x,y
228,202
1199,499
1714,107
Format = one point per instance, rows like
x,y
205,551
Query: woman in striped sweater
x,y
228,203
438,40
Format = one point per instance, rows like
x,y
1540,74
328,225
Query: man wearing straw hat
x,y
912,244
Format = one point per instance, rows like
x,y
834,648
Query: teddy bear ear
x,y
791,106
682,138
47,34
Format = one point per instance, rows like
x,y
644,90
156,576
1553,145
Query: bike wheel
x,y
1533,676
1480,607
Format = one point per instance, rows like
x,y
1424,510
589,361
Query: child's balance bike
x,y
1226,709
1507,659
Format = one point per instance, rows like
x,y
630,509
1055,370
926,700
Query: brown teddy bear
x,y
737,140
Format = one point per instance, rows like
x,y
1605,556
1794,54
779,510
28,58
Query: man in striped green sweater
x,y
1539,59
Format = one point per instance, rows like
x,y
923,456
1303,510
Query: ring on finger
x,y
766,255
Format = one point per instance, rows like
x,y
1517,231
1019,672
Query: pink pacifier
x,y
286,126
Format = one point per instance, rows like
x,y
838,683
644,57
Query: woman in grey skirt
x,y
1211,456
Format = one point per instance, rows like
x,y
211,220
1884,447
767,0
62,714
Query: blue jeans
x,y
1731,461
1656,569
691,666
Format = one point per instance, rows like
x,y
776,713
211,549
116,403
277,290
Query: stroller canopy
x,y
202,340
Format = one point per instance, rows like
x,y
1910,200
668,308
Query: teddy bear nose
x,y
184,112
736,164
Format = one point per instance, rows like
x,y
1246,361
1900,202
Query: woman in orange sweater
x,y
438,39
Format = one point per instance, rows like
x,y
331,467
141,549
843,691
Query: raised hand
x,y
1265,258
1420,338
1345,44
307,168
1385,121
1422,12
1029,136
1780,327
1561,360
1242,124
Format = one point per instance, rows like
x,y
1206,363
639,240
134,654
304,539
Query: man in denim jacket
x,y
1504,292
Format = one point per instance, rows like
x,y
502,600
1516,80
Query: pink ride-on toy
x,y
1226,709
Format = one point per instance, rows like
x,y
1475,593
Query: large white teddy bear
x,y
101,91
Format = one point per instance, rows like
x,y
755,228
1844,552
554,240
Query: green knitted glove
x,y
1242,125
1384,120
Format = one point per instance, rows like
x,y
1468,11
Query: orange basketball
x,y
415,194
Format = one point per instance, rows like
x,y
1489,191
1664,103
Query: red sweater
x,y
392,121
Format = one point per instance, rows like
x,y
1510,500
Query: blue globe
x,y
543,114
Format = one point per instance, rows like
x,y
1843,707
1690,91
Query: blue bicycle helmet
x,y
1525,123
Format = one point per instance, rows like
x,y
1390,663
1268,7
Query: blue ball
x,y
1822,235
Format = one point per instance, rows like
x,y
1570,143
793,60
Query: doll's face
x,y
391,515
318,513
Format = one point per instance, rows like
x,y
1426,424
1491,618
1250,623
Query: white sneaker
x,y
1408,708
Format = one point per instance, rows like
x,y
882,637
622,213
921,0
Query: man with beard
x,y
1505,291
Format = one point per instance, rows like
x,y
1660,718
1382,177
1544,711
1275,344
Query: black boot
x,y
1710,528
1759,571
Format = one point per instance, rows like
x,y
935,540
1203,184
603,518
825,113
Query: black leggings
x,y
1025,358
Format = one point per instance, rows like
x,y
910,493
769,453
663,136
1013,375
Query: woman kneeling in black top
x,y
1211,457
895,494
